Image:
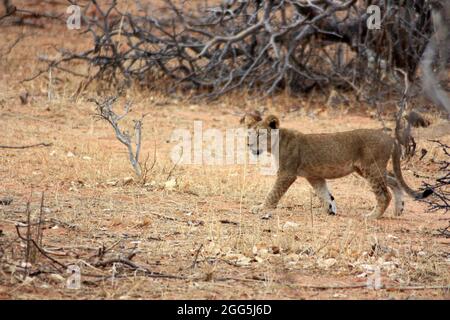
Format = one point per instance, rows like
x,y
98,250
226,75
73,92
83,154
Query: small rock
x,y
127,180
389,265
326,263
170,184
239,259
258,259
57,277
362,275
294,108
150,184
112,182
368,267
391,237
291,259
290,226
266,216
339,295
275,250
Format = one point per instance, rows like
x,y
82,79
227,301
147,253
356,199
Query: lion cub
x,y
318,157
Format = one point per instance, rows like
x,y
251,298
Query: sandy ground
x,y
188,232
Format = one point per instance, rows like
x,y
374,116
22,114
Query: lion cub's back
x,y
348,145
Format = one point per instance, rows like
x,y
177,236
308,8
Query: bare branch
x,y
262,46
42,144
105,111
440,199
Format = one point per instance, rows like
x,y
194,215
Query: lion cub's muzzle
x,y
256,149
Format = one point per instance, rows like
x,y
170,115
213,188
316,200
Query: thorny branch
x,y
264,46
440,200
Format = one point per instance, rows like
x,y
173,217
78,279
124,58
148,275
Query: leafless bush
x,y
440,200
265,46
105,111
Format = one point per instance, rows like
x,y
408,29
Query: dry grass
x,y
200,229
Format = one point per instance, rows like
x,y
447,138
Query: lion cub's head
x,y
259,138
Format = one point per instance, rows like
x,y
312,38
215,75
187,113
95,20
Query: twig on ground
x,y
358,286
42,144
226,221
194,263
147,272
62,265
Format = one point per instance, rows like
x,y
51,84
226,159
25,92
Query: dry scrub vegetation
x,y
188,231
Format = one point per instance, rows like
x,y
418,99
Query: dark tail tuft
x,y
427,192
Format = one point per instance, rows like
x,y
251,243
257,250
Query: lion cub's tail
x,y
398,174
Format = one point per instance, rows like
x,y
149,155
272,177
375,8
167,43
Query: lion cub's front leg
x,y
321,189
282,184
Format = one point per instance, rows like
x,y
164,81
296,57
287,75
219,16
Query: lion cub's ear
x,y
250,118
272,122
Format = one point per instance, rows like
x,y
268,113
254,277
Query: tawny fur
x,y
319,157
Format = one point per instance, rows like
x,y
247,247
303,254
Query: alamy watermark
x,y
234,146
74,279
374,19
73,22
374,280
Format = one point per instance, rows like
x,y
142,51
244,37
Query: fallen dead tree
x,y
264,46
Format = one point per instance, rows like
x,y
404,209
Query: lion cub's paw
x,y
374,214
399,208
265,212
332,210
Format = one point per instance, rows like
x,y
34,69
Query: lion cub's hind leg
x,y
376,176
321,189
398,194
